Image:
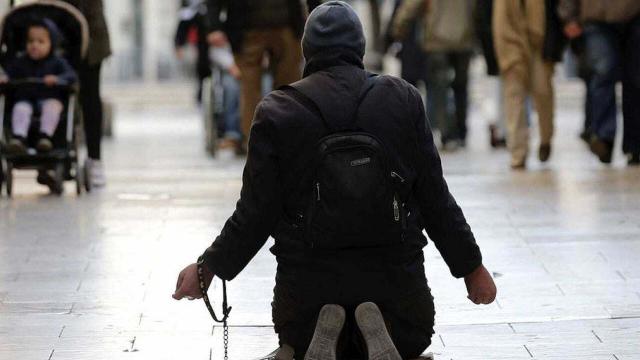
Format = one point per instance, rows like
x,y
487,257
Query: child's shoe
x,y
16,146
44,144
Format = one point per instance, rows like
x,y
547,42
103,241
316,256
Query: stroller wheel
x,y
58,183
9,179
86,174
78,173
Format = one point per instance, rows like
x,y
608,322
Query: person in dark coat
x,y
90,98
39,62
273,196
255,30
192,17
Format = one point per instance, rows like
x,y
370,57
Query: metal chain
x,y
225,339
225,308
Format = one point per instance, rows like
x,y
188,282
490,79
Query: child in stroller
x,y
38,63
42,44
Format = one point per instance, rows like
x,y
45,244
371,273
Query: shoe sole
x,y
325,338
371,324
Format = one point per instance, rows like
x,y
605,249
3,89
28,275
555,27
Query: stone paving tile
x,y
91,277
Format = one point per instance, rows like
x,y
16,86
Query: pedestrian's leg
x,y
602,52
249,60
231,107
515,93
438,80
50,117
460,62
21,118
287,57
543,97
631,93
91,108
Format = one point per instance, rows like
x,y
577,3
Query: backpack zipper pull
x,y
396,210
397,176
318,191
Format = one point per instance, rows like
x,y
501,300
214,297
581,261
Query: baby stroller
x,y
63,162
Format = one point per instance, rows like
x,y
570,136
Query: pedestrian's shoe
x,y
585,135
495,140
544,152
325,338
95,169
633,159
16,146
519,164
602,149
374,331
44,144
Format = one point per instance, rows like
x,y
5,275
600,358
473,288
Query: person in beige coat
x,y
527,42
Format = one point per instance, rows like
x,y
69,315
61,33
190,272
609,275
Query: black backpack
x,y
353,189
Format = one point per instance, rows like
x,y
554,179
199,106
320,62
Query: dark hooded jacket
x,y
24,67
284,132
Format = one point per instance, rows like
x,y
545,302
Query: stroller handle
x,y
38,83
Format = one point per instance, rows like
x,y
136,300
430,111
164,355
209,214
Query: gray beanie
x,y
333,25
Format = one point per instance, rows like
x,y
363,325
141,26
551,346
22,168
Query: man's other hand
x,y
188,283
480,286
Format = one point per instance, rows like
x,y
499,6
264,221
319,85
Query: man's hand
x,y
4,79
217,39
572,30
50,80
480,286
188,283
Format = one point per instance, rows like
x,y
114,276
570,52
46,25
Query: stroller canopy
x,y
74,32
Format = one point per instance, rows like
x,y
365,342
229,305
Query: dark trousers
x,y
448,70
613,51
409,320
91,104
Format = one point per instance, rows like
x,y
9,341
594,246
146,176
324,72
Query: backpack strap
x,y
311,105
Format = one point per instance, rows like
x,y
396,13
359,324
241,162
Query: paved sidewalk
x,y
91,277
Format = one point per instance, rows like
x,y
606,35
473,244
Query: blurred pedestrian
x,y
192,29
90,99
256,29
448,42
612,49
483,21
413,60
528,41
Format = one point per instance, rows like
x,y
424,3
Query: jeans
x,y
448,70
231,107
613,51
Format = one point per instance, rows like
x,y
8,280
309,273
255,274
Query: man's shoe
x,y
16,146
544,153
44,144
95,169
325,338
602,149
633,159
371,324
285,352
